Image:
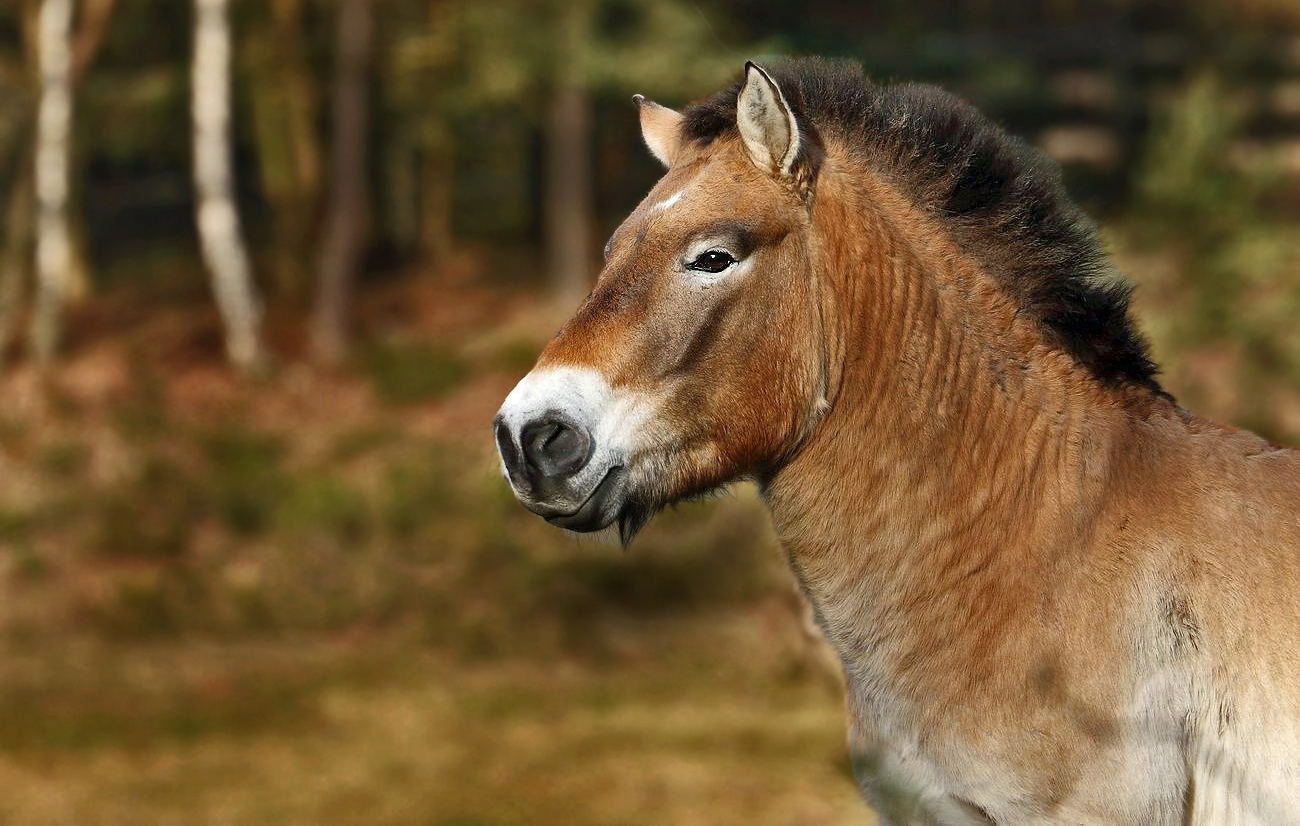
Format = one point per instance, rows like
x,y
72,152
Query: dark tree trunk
x,y
345,224
567,197
436,237
288,151
567,203
15,260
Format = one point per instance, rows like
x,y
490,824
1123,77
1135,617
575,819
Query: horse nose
x,y
554,449
548,451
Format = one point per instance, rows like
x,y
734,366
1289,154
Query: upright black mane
x,y
1000,198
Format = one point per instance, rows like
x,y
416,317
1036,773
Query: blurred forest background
x,y
267,269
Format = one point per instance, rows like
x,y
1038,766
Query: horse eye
x,y
714,261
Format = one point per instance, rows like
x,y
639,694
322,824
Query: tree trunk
x,y
436,236
15,259
567,197
401,211
567,200
345,224
53,145
95,15
288,151
88,36
218,217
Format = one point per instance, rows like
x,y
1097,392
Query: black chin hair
x,y
634,517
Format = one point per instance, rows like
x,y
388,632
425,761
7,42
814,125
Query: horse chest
x,y
1008,772
908,778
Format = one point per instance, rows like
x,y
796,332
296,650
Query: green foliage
x,y
327,505
249,478
517,48
65,459
360,442
59,712
30,567
14,524
413,495
141,415
712,558
151,515
405,373
516,356
1200,197
1186,173
140,609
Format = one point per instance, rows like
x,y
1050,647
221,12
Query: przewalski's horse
x,y
1057,596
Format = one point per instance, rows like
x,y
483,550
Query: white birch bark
x,y
53,145
220,237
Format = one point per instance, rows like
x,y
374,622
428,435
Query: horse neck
x,y
957,453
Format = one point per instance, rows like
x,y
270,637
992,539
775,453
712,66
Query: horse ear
x,y
660,129
767,126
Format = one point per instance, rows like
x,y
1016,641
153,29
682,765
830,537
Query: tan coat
x,y
1057,596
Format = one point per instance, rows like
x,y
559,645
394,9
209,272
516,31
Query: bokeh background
x,y
282,582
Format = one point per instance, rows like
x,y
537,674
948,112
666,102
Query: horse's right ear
x,y
766,123
660,129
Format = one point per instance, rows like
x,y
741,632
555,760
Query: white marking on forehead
x,y
669,201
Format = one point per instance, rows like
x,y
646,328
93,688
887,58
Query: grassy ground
x,y
341,733
312,600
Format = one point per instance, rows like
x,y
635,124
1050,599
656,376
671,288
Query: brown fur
x,y
1058,597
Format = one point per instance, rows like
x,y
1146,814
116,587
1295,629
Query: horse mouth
x,y
601,507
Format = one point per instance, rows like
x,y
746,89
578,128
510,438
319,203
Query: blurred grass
x,y
213,615
412,372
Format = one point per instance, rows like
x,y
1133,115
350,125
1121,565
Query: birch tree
x,y
53,147
345,223
220,236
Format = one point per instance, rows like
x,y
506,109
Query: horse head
x,y
697,359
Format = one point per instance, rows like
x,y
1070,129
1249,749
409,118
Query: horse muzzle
x,y
563,435
548,463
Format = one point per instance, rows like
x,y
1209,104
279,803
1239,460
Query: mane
x,y
999,198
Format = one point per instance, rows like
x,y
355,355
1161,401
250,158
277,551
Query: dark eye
x,y
712,261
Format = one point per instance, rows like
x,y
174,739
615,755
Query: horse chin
x,y
614,508
632,519
602,507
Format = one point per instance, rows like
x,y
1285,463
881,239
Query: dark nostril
x,y
509,453
555,448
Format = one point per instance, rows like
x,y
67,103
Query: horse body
x,y
1057,596
1052,601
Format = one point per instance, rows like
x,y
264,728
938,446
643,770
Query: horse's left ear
x,y
767,125
660,129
